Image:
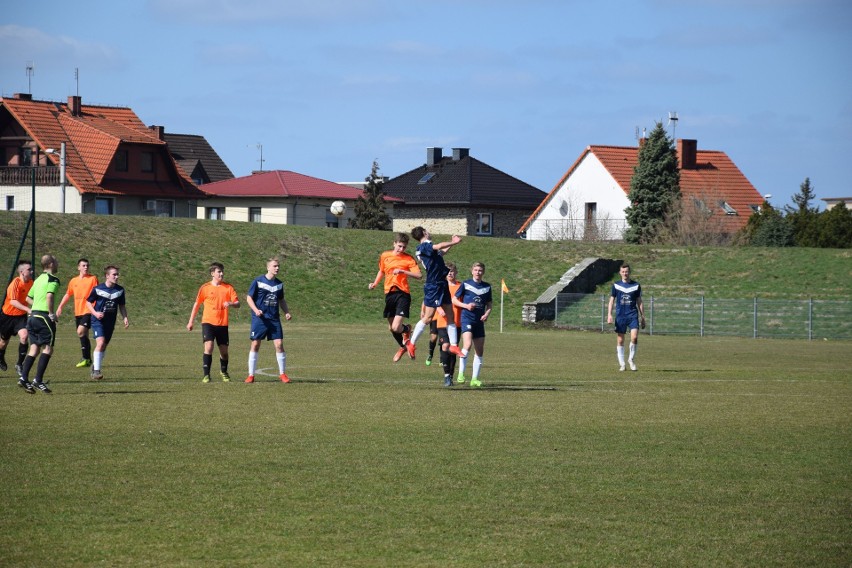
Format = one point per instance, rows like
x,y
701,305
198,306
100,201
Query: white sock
x,y
462,362
453,333
252,362
632,351
97,359
620,351
282,362
418,331
477,365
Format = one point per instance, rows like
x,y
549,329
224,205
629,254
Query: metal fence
x,y
792,319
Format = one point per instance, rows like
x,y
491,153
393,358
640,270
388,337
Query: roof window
x,y
426,178
727,208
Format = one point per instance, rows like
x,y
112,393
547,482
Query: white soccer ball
x,y
338,208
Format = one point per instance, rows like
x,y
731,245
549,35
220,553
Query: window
x,y
26,156
483,224
755,208
332,221
104,206
120,161
254,215
591,220
215,213
727,208
10,203
147,164
164,208
425,179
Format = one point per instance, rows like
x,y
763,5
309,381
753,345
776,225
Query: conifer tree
x,y
654,187
370,207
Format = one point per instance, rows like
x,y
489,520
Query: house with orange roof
x,y
113,164
282,197
589,201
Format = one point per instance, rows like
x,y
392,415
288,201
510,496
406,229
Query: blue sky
x,y
327,86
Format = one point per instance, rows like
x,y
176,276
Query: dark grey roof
x,y
197,157
466,181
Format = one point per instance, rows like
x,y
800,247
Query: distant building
x,y
459,194
197,158
115,165
830,202
282,197
589,201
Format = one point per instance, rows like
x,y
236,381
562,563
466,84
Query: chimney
x,y
433,156
24,96
159,132
75,104
459,153
686,154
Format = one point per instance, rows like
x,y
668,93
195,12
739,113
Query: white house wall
x,y
47,198
304,212
563,217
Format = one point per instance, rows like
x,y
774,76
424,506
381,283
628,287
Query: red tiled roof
x,y
92,138
283,183
715,177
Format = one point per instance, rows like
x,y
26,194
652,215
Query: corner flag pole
x,y
503,290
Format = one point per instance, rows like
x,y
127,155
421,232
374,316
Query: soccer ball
x,y
338,208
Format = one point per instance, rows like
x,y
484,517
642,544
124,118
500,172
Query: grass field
x,y
717,452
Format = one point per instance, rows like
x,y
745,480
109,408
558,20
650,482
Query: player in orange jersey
x,y
217,297
448,358
13,316
80,287
397,266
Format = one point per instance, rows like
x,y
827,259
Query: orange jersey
x,y
388,262
80,288
442,320
212,298
17,290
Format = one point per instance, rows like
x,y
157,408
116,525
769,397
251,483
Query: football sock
x,y
252,362
620,351
398,337
206,363
632,351
452,333
2,353
98,359
42,366
418,331
432,348
282,361
22,352
223,365
28,364
462,362
477,365
86,347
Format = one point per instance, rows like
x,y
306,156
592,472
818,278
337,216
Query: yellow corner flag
x,y
503,284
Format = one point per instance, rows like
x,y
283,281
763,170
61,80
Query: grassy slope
x,y
163,261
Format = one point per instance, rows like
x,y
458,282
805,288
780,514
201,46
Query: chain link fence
x,y
789,319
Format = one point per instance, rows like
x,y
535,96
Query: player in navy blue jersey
x,y
626,296
474,297
266,301
105,301
436,292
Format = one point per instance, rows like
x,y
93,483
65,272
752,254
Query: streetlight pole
x,y
62,162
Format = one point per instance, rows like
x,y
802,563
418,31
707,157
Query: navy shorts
x,y
476,327
624,323
268,329
101,328
435,295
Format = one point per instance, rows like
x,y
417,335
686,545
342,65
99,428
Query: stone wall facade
x,y
458,220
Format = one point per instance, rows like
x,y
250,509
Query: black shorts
x,y
84,320
11,325
443,336
41,330
397,304
219,333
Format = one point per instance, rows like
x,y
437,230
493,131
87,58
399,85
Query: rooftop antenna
x,y
673,123
259,146
636,134
77,79
30,73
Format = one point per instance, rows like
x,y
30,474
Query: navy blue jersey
x,y
107,300
267,294
626,296
477,293
433,262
